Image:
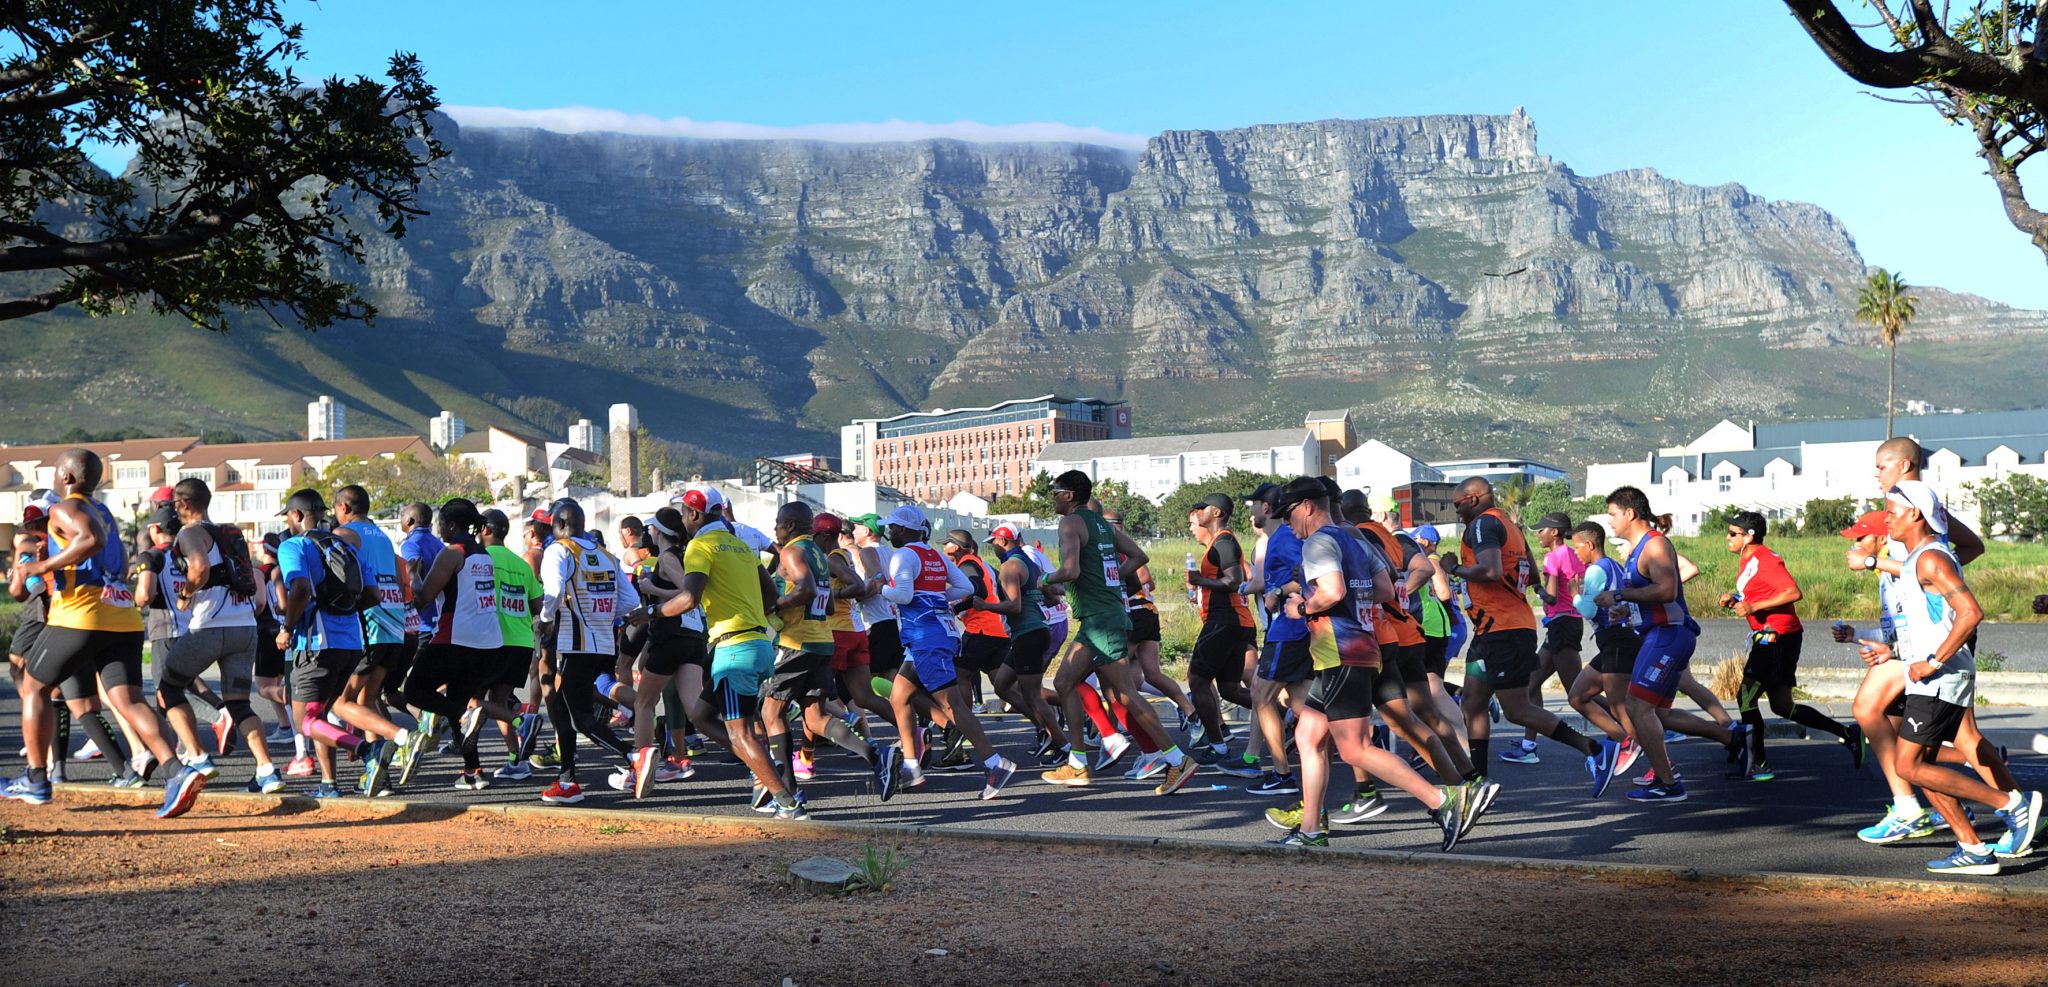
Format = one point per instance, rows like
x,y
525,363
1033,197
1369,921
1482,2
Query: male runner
x,y
461,660
1216,667
673,662
1767,596
386,652
1093,555
986,640
583,593
1934,615
216,594
1399,633
1019,681
416,551
723,577
1493,559
1280,682
1615,644
925,585
1563,630
1343,581
803,654
857,580
91,629
519,598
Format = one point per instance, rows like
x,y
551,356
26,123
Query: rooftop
x,y
284,453
998,406
1173,445
125,449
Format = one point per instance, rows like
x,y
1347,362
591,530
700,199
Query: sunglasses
x,y
1467,499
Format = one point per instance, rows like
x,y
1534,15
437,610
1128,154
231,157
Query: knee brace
x,y
240,712
1747,695
315,712
170,695
606,682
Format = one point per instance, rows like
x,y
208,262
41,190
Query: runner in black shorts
x,y
1216,668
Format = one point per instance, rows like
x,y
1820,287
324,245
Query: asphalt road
x,y
1804,821
2025,646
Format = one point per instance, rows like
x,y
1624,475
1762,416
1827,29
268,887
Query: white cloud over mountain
x,y
583,119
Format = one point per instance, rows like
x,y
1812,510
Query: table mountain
x,y
1462,291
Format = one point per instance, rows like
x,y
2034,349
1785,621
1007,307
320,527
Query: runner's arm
x,y
1073,534
196,568
1659,568
554,580
81,540
145,586
685,599
1942,576
1012,603
1133,555
850,585
957,585
1966,543
902,585
796,574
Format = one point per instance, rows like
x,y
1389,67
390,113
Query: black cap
x,y
305,500
1354,506
1221,502
1263,495
1299,489
164,517
1330,487
1555,519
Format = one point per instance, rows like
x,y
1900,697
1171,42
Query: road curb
x,y
1765,880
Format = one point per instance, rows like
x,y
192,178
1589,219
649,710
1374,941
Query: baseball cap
x,y
164,517
305,500
1263,495
542,515
826,523
907,517
1299,489
703,500
1555,519
872,522
1921,497
32,514
1426,533
162,495
1005,532
1353,504
1221,502
1865,526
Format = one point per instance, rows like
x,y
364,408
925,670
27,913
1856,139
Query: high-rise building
x,y
586,436
326,420
444,430
988,452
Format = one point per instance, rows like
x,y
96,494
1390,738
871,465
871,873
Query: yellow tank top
x,y
804,625
840,618
94,595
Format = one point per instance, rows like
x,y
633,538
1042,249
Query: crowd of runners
x,y
1329,624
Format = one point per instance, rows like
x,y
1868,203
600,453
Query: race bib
x,y
950,624
821,604
1111,571
118,595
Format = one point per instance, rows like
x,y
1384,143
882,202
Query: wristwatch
x,y
1870,563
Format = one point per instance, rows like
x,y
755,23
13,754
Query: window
x,y
131,474
255,504
204,475
1722,483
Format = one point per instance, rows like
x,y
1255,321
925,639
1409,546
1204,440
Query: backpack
x,y
340,591
235,570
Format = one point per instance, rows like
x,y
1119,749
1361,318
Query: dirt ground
x,y
94,889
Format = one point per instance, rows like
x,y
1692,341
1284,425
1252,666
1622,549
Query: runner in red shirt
x,y
1767,596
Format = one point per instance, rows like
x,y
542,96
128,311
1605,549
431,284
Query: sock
x,y
1077,758
1906,805
102,734
839,733
1811,718
1572,738
1173,756
2011,803
994,761
61,745
1977,848
38,775
1250,760
1480,746
1474,774
778,753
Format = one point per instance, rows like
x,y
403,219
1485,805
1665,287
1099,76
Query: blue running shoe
x,y
376,766
204,765
1895,827
1738,749
1654,792
180,792
326,790
23,790
1603,764
1523,752
267,783
1674,737
2021,824
1964,862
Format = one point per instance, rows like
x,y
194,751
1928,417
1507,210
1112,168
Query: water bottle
x,y
1842,630
1194,595
33,583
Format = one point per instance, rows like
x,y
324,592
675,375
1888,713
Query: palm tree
x,y
1883,303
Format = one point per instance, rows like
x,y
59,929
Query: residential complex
x,y
987,452
1155,466
1776,468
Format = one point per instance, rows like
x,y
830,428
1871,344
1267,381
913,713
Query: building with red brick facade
x,y
932,455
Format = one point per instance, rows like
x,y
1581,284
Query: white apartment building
x,y
326,420
250,480
1776,468
444,430
1379,469
585,435
1156,466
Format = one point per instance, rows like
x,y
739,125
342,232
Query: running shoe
x,y
1674,792
1493,711
131,778
1045,746
267,783
1053,756
644,761
1484,792
1363,806
1069,776
428,728
762,801
1761,772
1204,754
1236,767
223,735
204,765
2040,743
1275,783
1114,747
1194,730
1176,777
300,767
620,779
909,776
471,782
56,773
1857,747
1451,815
1297,838
793,812
180,792
472,724
1182,726
279,734
955,743
1290,818
1523,752
1147,767
513,771
695,745
1964,862
1895,827
562,793
674,769
1627,756
2021,824
325,790
1602,764
376,757
33,792
1738,746
1674,737
998,776
524,728
90,752
804,766
888,760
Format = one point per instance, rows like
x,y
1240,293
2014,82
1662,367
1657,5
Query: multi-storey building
x,y
988,452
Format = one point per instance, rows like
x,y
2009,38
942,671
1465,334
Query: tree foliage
x,y
1979,63
1885,303
395,481
1036,500
245,180
2015,505
1141,518
1234,483
1829,515
1551,496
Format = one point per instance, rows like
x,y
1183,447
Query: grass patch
x,y
877,870
612,829
2005,580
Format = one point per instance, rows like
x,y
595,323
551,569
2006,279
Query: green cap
x,y
872,522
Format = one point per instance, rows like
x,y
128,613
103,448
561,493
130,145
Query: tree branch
x,y
1935,57
193,231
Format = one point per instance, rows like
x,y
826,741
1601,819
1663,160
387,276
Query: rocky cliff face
x,y
1431,272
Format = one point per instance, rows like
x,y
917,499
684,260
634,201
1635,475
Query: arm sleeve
x,y
1596,583
902,568
629,595
554,576
1320,556
1486,532
667,580
1228,552
957,586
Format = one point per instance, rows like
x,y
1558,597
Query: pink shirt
x,y
1563,563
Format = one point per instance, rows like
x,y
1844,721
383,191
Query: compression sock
x,y
1746,697
1572,738
1807,716
60,747
1091,703
1480,746
102,734
839,733
778,755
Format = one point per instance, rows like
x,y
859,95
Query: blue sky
x,y
1705,93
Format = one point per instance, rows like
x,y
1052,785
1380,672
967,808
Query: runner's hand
x,y
1855,559
1742,608
1875,653
284,640
1844,633
1921,671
